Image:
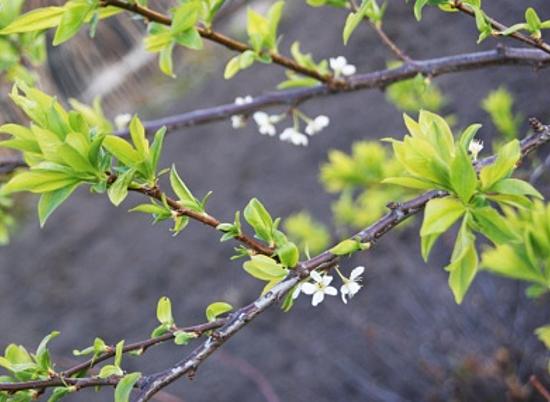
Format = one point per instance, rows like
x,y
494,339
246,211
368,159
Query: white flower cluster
x,y
239,120
321,286
340,66
122,121
266,124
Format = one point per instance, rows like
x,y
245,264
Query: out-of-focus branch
x,y
386,40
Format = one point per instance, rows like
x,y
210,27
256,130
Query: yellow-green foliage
x,y
499,104
6,220
307,233
415,94
528,259
357,177
14,48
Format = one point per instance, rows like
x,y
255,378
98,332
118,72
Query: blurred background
x,y
95,270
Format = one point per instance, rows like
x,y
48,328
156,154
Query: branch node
x,y
536,124
392,206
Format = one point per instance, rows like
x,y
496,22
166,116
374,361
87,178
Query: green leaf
x,y
109,371
288,254
137,132
257,216
35,20
119,350
418,7
190,39
182,191
152,209
165,60
122,150
125,386
72,20
232,67
185,17
264,268
463,176
439,215
180,223
216,309
346,247
156,148
38,181
182,338
410,182
118,191
164,311
543,334
59,393
74,159
504,260
42,354
514,187
532,19
494,226
464,262
506,160
50,201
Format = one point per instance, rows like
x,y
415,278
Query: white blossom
x,y
319,288
243,100
122,121
239,120
293,136
351,285
266,123
340,66
316,125
475,148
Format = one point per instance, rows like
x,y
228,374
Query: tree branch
x,y
151,384
203,218
66,377
501,56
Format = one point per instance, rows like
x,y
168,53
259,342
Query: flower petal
x,y
318,297
358,271
316,276
331,291
309,288
327,279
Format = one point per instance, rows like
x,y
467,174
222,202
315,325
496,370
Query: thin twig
x,y
204,218
386,40
541,389
500,27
